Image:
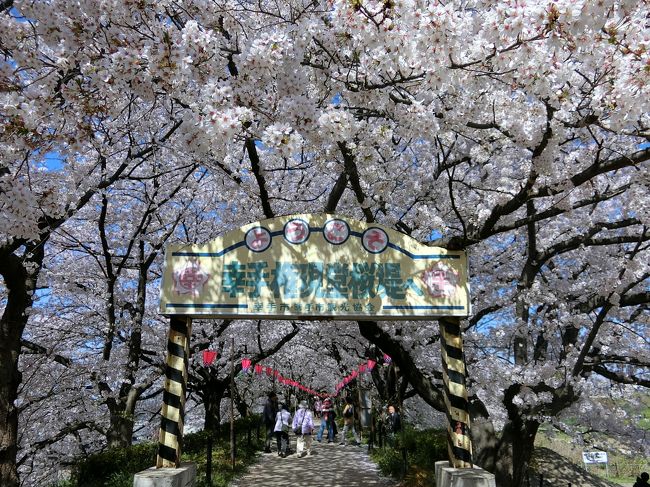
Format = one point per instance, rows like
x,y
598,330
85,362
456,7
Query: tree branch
x,y
259,177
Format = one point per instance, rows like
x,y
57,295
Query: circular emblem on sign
x,y
336,231
296,231
374,240
258,239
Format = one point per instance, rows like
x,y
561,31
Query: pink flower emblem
x,y
441,280
190,279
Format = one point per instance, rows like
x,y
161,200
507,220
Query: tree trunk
x,y
20,285
11,328
240,404
120,432
506,455
518,438
212,404
522,438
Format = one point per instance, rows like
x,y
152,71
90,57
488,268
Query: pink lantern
x,y
209,356
245,364
387,359
371,364
258,369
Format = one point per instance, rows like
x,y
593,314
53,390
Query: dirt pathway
x,y
329,464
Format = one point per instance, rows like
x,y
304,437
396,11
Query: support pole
x,y
173,409
232,403
208,464
459,444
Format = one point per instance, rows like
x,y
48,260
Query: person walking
x,y
268,417
318,406
327,421
303,427
642,480
348,423
281,429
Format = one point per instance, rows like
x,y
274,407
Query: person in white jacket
x,y
282,422
303,426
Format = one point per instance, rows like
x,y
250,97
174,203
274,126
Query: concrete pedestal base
x,y
447,476
184,476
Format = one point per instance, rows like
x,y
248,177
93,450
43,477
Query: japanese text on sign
x,y
288,280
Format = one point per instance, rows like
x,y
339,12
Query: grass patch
x,y
622,468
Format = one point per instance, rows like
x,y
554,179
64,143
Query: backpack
x,y
349,411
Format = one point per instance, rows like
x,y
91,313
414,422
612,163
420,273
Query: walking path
x,y
329,464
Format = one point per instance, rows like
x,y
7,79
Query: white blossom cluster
x,y
514,129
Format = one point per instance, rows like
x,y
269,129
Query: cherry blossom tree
x,y
517,131
210,384
60,149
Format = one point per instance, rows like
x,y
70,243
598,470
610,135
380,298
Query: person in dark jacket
x,y
642,480
393,425
348,423
268,418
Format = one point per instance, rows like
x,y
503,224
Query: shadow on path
x,y
329,464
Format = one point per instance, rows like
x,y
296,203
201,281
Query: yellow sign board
x,y
314,266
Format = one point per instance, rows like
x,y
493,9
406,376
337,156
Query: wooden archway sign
x,y
314,266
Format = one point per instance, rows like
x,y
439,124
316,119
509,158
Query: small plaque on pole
x,y
589,457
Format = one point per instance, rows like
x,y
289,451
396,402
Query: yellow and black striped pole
x,y
173,409
459,444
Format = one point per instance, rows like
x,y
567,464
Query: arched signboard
x,y
314,266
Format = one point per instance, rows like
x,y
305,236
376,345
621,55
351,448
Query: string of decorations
x,y
247,366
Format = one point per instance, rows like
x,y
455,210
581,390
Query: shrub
x,y
116,467
389,461
120,479
102,469
423,449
